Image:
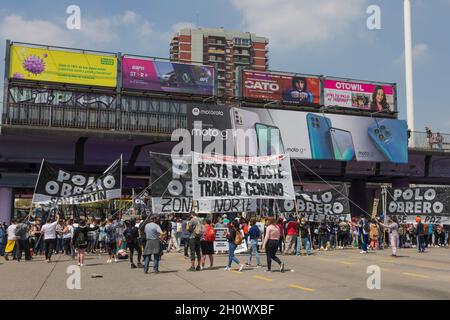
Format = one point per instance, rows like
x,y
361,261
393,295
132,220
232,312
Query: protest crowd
x,y
143,239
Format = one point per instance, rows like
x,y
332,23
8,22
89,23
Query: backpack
x,y
366,227
210,234
21,230
81,239
129,234
199,229
238,238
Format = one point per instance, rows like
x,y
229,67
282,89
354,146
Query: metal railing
x,y
37,115
425,141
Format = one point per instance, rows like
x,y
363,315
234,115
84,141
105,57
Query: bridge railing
x,y
426,141
40,115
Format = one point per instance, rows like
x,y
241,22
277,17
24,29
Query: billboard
x,y
164,76
52,65
308,135
285,88
362,95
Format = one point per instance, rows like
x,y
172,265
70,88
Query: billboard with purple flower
x,y
164,76
54,65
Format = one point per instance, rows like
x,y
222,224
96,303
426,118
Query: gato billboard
x,y
52,65
285,88
164,76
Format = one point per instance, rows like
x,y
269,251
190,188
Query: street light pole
x,y
409,67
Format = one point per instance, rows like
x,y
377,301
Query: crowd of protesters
x,y
150,236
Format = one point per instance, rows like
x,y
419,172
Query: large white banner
x,y
225,177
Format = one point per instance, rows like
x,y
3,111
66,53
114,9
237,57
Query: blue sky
x,y
327,37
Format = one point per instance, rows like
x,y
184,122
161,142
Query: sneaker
x,y
79,264
198,268
227,269
201,268
282,267
116,260
241,267
191,269
363,252
140,265
258,266
133,266
267,270
109,261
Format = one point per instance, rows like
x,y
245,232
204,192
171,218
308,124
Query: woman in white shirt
x,y
49,232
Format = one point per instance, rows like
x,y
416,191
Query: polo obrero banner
x,y
56,186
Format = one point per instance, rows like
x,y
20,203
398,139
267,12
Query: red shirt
x,y
292,228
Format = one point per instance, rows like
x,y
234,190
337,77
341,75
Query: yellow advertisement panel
x,y
40,64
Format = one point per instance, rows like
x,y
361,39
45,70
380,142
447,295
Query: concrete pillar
x,y
6,204
358,195
400,182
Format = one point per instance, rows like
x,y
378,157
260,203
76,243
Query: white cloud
x,y
181,25
294,23
420,51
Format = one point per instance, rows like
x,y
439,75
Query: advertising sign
x,y
285,88
223,177
432,204
307,135
221,243
52,65
359,95
164,76
210,128
57,187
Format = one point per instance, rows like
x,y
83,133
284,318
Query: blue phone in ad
x,y
319,136
343,147
269,140
390,137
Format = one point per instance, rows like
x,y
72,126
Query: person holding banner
x,y
392,226
271,244
49,232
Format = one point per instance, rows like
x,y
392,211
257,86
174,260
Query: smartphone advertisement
x,y
307,135
164,76
287,88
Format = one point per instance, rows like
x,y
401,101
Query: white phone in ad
x,y
244,131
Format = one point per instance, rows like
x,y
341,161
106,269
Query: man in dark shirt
x,y
420,232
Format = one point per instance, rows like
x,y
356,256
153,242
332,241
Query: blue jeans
x,y
155,263
254,249
2,248
231,257
365,240
303,242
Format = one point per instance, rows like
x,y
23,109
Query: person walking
x,y
420,234
207,244
153,234
12,239
392,226
374,234
80,239
185,236
173,243
365,228
234,238
270,243
49,232
291,231
131,235
304,238
2,240
196,228
254,235
23,242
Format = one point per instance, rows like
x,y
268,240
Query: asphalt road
x,y
340,274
